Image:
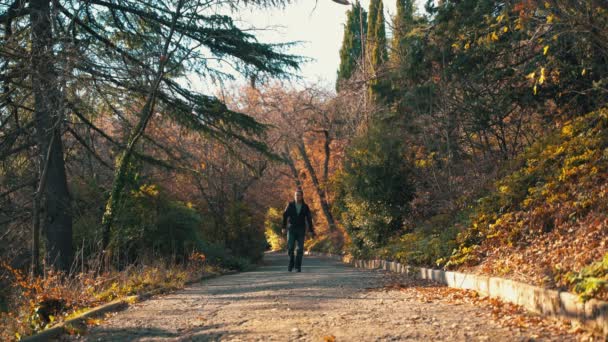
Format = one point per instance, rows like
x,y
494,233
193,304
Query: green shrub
x,y
217,254
245,239
373,190
591,280
149,224
273,225
428,246
327,243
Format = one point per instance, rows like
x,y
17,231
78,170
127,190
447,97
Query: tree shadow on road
x,y
203,333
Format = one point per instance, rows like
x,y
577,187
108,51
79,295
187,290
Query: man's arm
x,y
285,215
309,221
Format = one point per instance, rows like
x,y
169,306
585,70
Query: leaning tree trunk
x,y
124,159
54,195
315,181
292,168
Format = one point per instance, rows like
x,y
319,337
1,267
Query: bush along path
x,y
328,301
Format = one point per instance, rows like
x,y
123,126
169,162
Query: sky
x,y
318,25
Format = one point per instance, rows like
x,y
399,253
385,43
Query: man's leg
x,y
300,253
291,244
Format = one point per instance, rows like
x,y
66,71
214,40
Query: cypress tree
x,y
403,23
376,44
379,53
351,50
372,21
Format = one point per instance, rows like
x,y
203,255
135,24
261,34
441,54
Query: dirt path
x,y
328,300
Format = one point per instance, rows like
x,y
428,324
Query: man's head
x,y
299,196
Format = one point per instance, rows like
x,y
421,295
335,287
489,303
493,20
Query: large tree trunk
x,y
57,221
315,181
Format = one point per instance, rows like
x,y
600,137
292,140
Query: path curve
x,y
328,300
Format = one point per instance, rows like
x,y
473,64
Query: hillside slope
x,y
546,223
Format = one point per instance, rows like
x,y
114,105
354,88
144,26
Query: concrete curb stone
x,y
592,314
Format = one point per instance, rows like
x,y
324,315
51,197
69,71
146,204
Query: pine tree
x,y
351,51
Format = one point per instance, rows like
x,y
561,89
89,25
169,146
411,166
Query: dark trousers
x,y
293,237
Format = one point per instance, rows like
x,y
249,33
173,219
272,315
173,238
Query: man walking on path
x,y
295,218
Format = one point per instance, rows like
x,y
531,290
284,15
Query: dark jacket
x,y
295,221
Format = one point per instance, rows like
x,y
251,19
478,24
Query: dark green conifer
x,y
350,53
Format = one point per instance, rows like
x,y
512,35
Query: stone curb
x,y
592,314
114,306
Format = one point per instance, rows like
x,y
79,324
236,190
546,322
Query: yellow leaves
x,y
467,46
518,24
131,299
150,190
494,36
547,5
567,130
18,336
426,161
503,189
550,19
421,163
505,29
500,18
584,72
541,79
545,50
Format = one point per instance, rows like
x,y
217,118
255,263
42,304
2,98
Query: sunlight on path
x,y
327,300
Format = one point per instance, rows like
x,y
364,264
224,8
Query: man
x,y
295,218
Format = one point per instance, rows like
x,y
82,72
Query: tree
x,y
48,116
402,24
376,48
302,118
352,43
374,188
108,58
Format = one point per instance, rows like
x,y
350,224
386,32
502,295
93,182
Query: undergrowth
x,y
547,221
38,303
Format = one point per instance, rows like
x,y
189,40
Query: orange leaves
x,y
550,217
44,301
197,257
524,7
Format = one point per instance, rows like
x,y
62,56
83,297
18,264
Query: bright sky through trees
x,y
318,25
